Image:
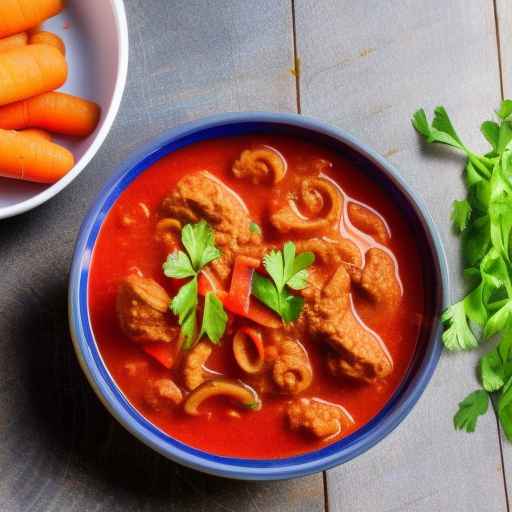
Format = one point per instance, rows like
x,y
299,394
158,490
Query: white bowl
x,y
95,33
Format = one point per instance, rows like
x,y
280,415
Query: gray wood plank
x,y
504,23
366,66
59,448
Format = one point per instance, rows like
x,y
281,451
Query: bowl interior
x,y
421,368
92,34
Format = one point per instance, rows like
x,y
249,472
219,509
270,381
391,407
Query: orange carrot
x,y
48,38
20,15
30,70
37,134
15,41
54,111
30,159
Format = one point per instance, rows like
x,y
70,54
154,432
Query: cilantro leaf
x,y
505,109
500,214
266,292
476,240
490,131
441,129
198,241
496,365
461,212
287,270
504,136
500,320
457,334
473,406
214,318
178,266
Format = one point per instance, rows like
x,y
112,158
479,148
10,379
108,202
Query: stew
x,y
256,296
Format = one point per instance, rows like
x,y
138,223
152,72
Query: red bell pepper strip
x,y
241,281
161,352
257,312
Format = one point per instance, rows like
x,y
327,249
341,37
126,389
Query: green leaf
x,y
505,409
291,306
504,136
178,266
444,135
461,213
457,334
500,320
196,238
472,174
274,265
214,318
473,406
298,281
505,109
490,131
189,329
474,305
500,214
185,300
265,291
476,240
288,262
303,261
495,366
255,228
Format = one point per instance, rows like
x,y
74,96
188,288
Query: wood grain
x,y
59,448
366,67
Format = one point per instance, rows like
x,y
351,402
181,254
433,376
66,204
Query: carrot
x,y
15,41
48,38
19,15
30,70
54,111
27,158
37,134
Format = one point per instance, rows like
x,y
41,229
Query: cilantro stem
x,y
497,304
476,160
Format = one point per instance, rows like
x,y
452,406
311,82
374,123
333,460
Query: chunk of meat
x,y
143,311
193,368
317,209
368,222
201,196
331,318
292,372
318,418
264,164
334,253
161,394
379,279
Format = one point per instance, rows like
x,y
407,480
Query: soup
x,y
256,296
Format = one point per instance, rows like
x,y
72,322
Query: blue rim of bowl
x,y
114,400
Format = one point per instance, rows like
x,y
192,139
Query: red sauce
x,y
264,434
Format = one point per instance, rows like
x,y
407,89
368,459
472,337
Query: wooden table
x,y
364,66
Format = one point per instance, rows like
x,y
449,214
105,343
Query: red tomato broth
x,y
263,434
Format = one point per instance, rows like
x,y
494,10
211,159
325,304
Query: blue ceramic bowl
x,y
429,346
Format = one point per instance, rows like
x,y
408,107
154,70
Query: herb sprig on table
x,y
484,221
197,239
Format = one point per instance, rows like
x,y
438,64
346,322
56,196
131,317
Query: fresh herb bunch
x,y
484,221
288,271
200,250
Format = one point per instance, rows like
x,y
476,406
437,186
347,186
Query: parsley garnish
x,y
288,271
199,244
484,220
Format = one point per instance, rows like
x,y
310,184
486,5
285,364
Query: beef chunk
x,y
369,222
143,311
193,368
331,318
317,417
161,394
379,279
